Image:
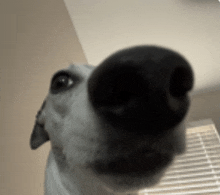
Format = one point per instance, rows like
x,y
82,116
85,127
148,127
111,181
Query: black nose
x,y
142,89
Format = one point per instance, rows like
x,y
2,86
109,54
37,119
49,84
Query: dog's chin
x,y
133,173
139,164
129,183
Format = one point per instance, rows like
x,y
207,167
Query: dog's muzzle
x,y
143,90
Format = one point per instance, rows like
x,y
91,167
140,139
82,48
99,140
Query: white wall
x,y
191,27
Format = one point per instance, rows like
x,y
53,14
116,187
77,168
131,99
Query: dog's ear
x,y
39,136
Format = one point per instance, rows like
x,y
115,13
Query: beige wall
x,y
37,39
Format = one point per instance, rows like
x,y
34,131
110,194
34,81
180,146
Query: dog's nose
x,y
142,89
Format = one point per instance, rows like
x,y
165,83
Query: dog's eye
x,y
61,82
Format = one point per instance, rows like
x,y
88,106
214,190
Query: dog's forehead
x,y
82,70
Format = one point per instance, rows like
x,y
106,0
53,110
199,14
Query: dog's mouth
x,y
138,165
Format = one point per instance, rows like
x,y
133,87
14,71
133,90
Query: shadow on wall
x,y
206,105
199,1
38,38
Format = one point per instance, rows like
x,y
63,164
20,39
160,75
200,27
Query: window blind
x,y
197,172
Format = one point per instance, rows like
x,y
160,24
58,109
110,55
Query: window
x,y
197,172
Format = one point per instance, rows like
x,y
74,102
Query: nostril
x,y
181,81
123,97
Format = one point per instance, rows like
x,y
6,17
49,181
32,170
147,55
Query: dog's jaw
x,y
131,179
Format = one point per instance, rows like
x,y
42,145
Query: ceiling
x,y
190,27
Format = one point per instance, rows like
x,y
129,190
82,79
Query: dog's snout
x,y
144,88
180,82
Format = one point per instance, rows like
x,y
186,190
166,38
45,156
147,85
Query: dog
x,y
116,127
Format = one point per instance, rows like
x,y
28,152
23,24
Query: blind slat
x,y
192,188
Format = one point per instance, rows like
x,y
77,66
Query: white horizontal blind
x,y
197,172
